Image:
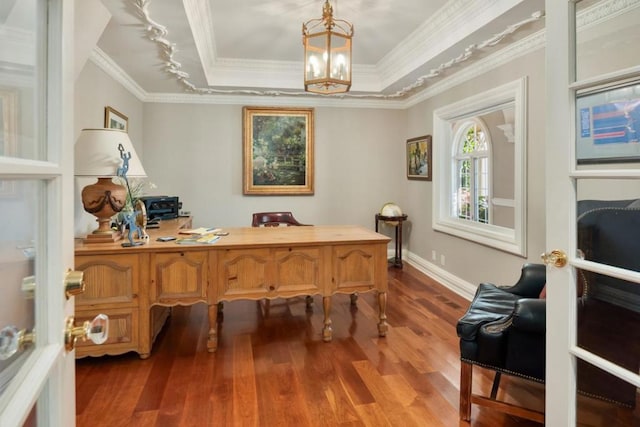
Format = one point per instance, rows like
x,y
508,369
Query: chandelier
x,y
327,53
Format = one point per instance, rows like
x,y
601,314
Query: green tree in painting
x,y
279,150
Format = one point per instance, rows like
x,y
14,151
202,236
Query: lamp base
x,y
104,199
103,237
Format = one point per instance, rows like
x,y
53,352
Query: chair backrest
x,y
274,219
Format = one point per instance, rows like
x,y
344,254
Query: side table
x,y
396,261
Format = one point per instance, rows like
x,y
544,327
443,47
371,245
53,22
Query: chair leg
x,y
496,384
466,375
354,298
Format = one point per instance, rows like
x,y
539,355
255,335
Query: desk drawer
x,y
124,329
110,279
179,276
269,273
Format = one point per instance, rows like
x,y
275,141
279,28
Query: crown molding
x,y
17,45
446,27
354,99
603,11
522,47
200,20
106,64
16,35
276,100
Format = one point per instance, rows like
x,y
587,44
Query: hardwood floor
x,y
273,369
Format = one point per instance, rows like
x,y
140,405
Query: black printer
x,y
161,207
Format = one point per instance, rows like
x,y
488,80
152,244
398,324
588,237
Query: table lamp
x,y
97,155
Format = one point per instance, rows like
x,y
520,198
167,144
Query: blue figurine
x,y
132,223
133,220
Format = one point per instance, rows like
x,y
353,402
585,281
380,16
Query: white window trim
x,y
506,239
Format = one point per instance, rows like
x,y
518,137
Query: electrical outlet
x,y
442,259
434,256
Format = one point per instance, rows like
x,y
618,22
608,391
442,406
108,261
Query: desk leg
x,y
212,342
326,331
382,303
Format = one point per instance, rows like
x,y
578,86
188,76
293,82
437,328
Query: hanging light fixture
x,y
327,53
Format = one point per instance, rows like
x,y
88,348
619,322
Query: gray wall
x,y
194,151
467,260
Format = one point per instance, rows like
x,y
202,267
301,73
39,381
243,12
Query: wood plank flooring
x,y
273,369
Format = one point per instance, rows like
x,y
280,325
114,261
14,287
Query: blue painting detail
x,y
585,122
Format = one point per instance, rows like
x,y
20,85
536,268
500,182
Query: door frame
x,y
48,376
561,175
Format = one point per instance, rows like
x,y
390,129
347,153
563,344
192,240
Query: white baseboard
x,y
461,287
467,290
619,298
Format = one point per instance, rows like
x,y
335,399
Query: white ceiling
x,y
233,46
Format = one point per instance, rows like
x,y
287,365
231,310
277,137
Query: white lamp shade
x,y
97,154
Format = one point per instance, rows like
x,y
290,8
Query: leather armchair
x,y
504,328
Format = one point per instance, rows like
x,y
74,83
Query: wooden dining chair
x,y
274,219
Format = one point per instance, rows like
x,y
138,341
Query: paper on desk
x,y
206,239
200,231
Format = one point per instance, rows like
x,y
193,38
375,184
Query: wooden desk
x,y
135,286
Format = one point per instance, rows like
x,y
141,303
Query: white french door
x,y
36,201
592,159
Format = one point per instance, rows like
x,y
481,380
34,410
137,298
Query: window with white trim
x,y
479,186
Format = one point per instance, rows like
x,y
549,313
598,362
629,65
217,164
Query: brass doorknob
x,y
12,340
97,330
73,283
29,286
556,257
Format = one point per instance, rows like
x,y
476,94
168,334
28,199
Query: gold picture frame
x,y
114,119
277,151
419,158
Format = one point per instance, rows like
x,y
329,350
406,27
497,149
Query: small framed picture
x,y
113,119
419,158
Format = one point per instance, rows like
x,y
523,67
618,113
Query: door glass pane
x,y
608,321
608,125
607,37
22,32
20,205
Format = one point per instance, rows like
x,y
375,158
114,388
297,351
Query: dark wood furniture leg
x,y
212,342
466,375
326,331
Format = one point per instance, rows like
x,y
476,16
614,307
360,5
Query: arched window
x,y
471,163
479,177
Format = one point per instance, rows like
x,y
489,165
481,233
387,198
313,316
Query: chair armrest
x,y
531,281
530,315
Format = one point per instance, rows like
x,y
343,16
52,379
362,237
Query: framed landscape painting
x,y
277,151
419,158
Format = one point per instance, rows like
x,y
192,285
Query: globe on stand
x,y
390,209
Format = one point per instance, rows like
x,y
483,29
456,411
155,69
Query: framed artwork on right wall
x,y
419,158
